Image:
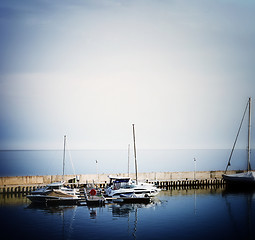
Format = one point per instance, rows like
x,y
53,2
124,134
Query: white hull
x,y
141,190
55,193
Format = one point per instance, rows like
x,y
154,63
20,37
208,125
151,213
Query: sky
x,y
180,70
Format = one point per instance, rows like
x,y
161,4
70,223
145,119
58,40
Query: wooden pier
x,y
93,197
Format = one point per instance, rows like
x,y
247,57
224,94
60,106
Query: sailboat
x,y
245,179
55,193
126,188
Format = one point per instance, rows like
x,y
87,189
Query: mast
x,y
249,137
64,156
128,157
135,154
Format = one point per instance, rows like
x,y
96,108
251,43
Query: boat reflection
x,y
131,213
240,206
51,209
124,210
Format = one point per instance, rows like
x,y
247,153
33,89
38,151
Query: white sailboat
x,y
245,179
56,193
125,186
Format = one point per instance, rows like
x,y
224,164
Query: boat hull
x,y
144,200
48,200
240,180
150,192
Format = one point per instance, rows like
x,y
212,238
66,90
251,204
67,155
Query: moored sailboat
x,y
124,186
245,179
55,193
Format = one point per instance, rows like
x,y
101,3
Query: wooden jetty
x,y
93,197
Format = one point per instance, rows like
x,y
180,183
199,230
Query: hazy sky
x,y
181,70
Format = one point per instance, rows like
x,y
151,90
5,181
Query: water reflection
x,y
51,209
124,210
64,216
13,199
131,213
178,214
240,206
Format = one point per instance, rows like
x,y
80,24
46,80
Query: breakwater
x,y
24,184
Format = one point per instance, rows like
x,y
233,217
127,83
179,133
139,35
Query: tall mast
x,y
64,156
136,178
128,157
249,137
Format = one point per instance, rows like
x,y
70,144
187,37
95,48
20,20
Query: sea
x,y
50,162
208,213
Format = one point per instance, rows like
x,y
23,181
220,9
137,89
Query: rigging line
x,y
236,137
70,157
64,158
136,177
128,157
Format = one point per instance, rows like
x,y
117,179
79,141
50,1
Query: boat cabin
x,y
120,182
55,185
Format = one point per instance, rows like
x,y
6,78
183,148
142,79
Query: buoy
x,y
93,192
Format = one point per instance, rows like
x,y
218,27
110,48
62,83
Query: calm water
x,y
176,214
23,163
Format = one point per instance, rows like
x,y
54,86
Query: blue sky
x,y
182,71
